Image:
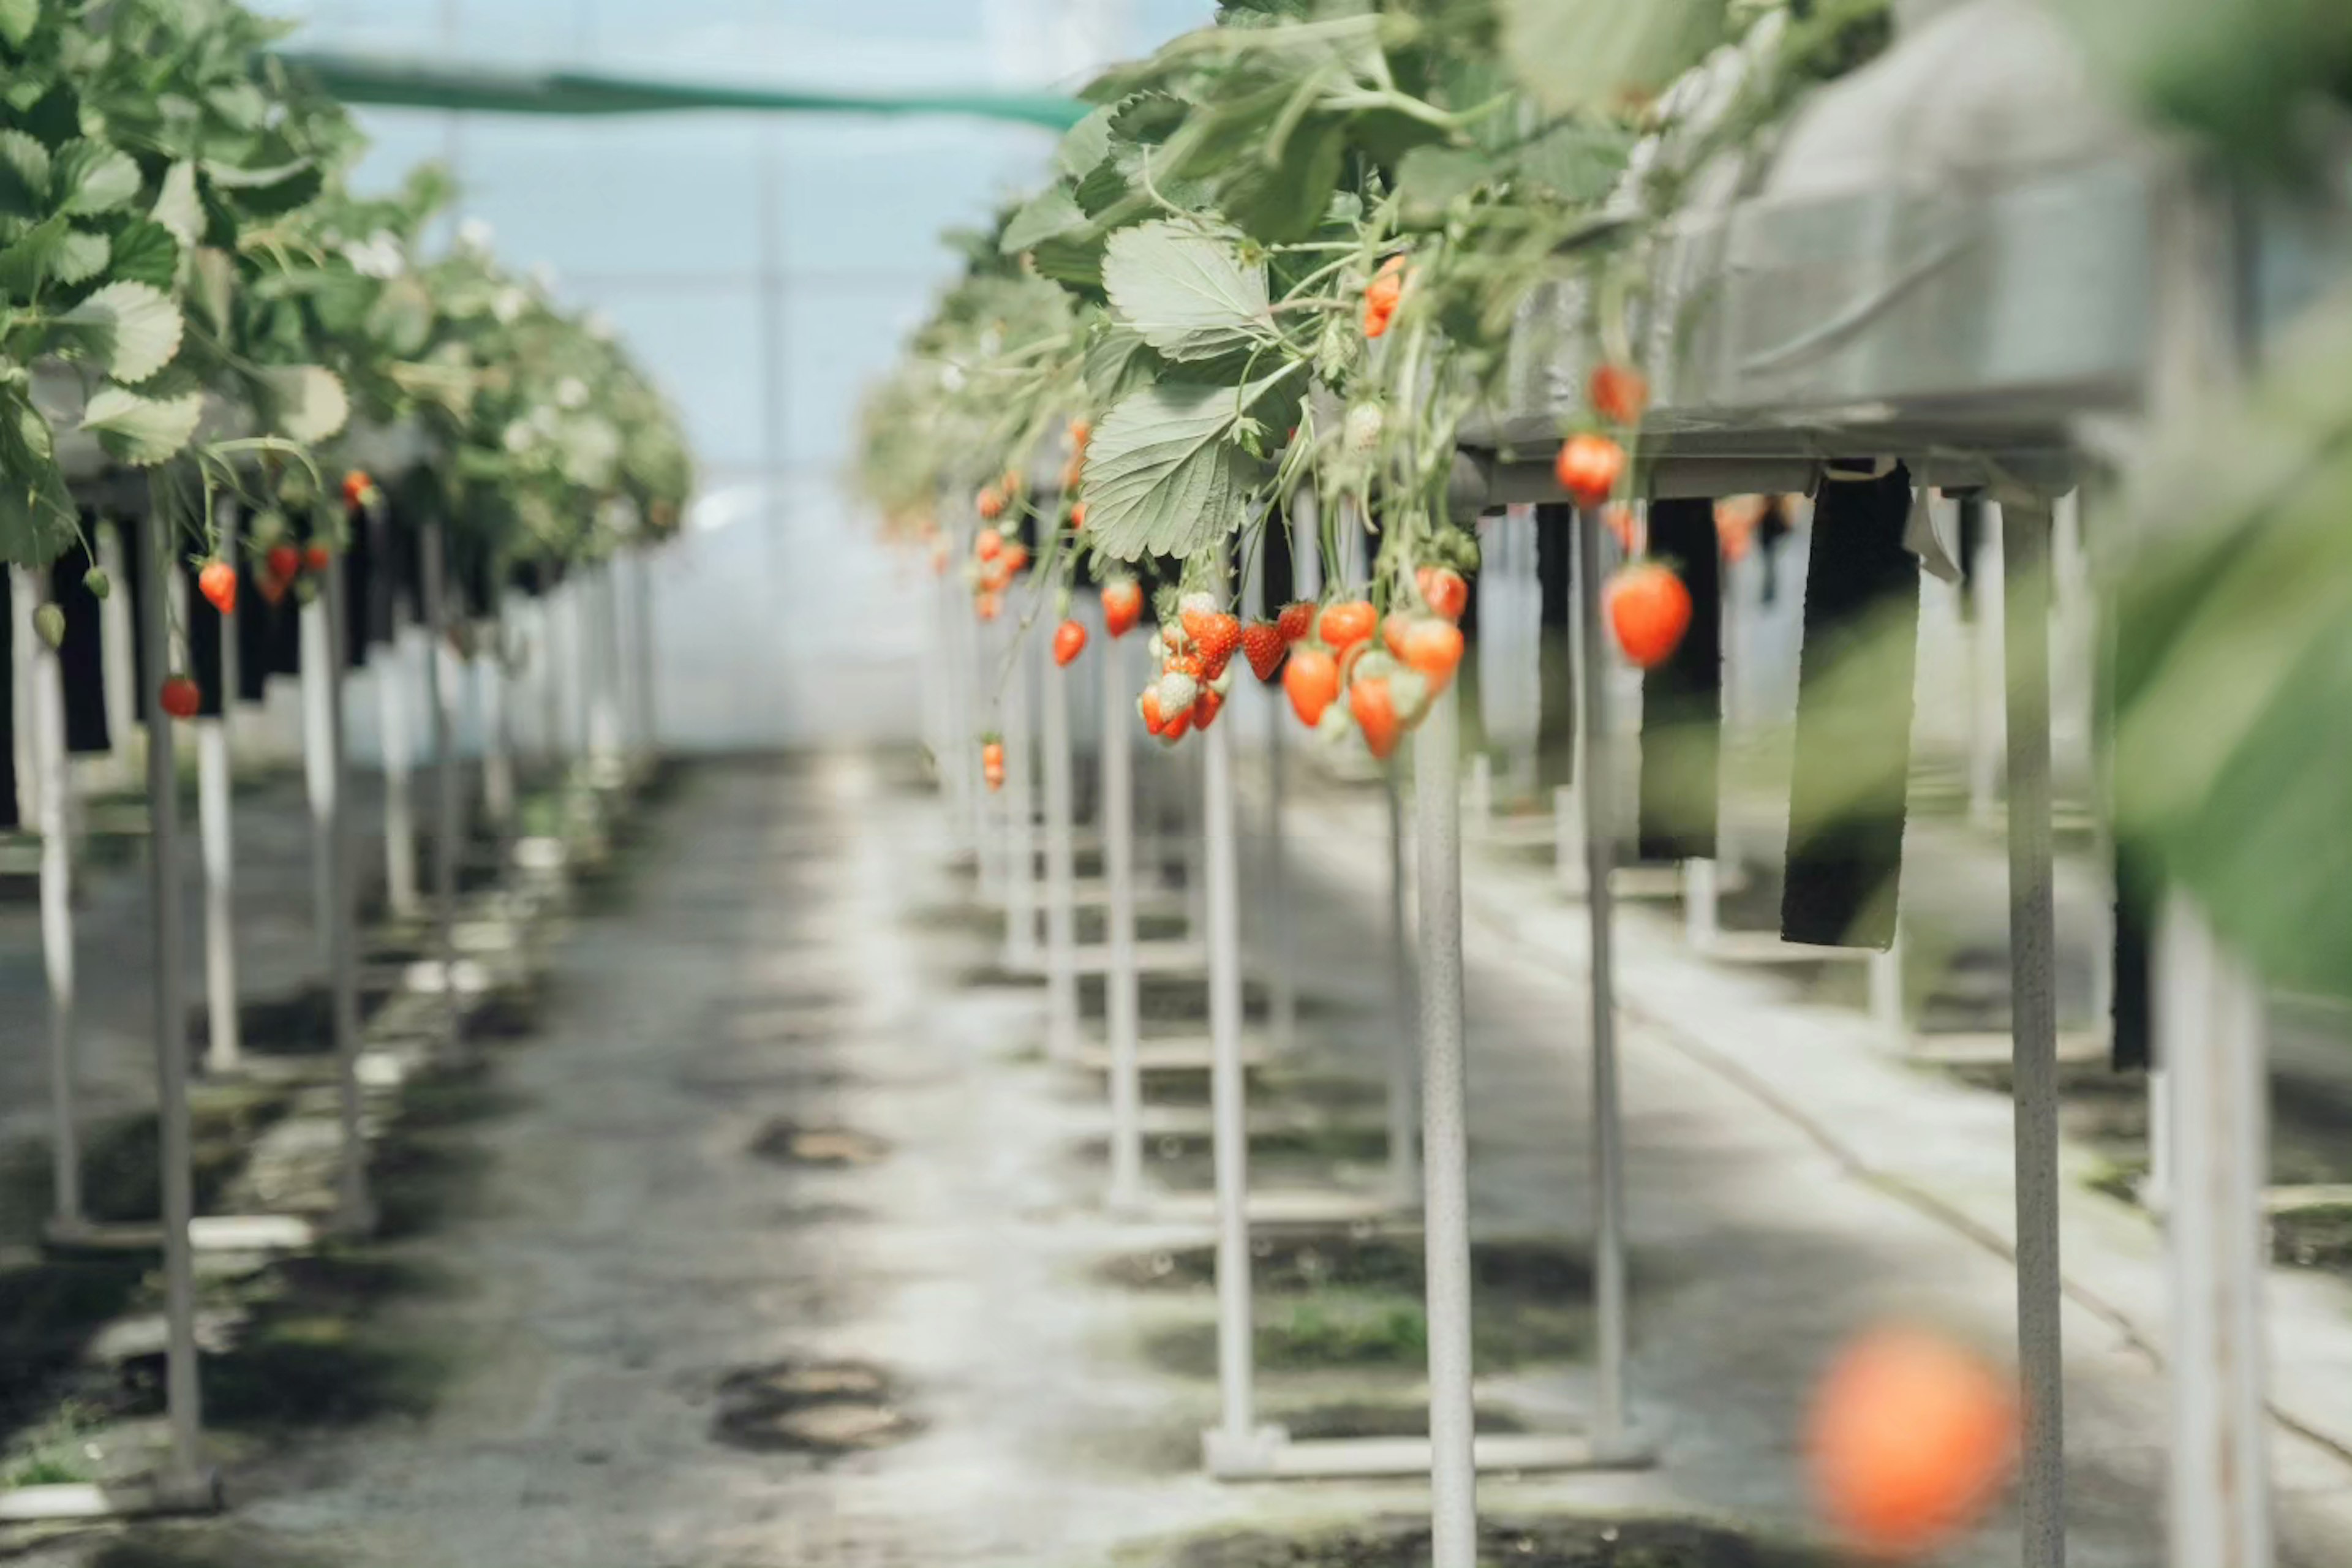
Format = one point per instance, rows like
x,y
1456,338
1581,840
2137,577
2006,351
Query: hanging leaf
x,y
18,20
131,329
90,177
1085,144
36,513
142,431
81,255
1053,212
24,176
1577,162
1282,202
305,402
1431,178
1162,474
145,252
41,254
1189,295
178,207
1117,362
1573,56
402,316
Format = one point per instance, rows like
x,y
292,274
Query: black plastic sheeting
x,y
1682,699
81,658
1556,528
1847,799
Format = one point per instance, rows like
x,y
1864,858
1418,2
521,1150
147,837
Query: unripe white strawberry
x,y
1362,433
1177,691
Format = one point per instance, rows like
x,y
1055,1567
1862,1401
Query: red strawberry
x,y
1078,517
1433,648
1312,683
1393,629
1015,556
357,487
1444,591
1263,645
180,697
990,504
284,561
1296,621
988,543
1619,393
1589,467
1374,706
1206,706
1069,641
1347,622
217,583
1122,603
1174,729
317,557
1147,707
1217,635
1649,609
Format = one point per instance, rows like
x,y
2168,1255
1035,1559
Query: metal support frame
x,y
648,656
600,666
317,762
398,745
2209,1020
56,807
1405,1067
1238,1437
1596,776
354,1210
1021,951
182,1399
2032,952
215,787
1446,1201
1123,1012
1061,911
491,678
446,805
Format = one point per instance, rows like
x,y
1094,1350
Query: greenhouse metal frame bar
x,y
1061,915
1122,1021
215,790
318,764
182,1397
2032,949
354,1209
55,778
397,755
435,572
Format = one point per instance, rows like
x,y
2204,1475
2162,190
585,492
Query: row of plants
x,y
188,279
1292,252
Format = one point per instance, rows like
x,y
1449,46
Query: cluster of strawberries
x,y
1648,606
996,560
1390,688
1196,653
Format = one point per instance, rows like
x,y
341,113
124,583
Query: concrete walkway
x,y
795,961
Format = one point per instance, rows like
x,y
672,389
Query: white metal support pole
x,y
1021,811
1122,1010
2033,950
490,679
354,1213
445,776
56,913
1236,1430
318,767
648,662
115,632
1445,1204
601,666
1282,945
1189,780
2209,1021
23,747
1404,1043
1990,606
1886,1010
1596,779
214,788
1061,913
399,810
988,844
182,1395
1700,925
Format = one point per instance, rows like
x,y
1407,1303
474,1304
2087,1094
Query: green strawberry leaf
x,y
142,431
90,177
131,329
1162,474
1189,294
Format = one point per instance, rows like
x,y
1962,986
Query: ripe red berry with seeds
x,y
1263,645
1649,609
179,697
1444,591
1312,683
1619,393
1122,603
1588,467
216,580
1297,619
1069,641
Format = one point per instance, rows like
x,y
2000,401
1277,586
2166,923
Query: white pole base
x,y
1270,1455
